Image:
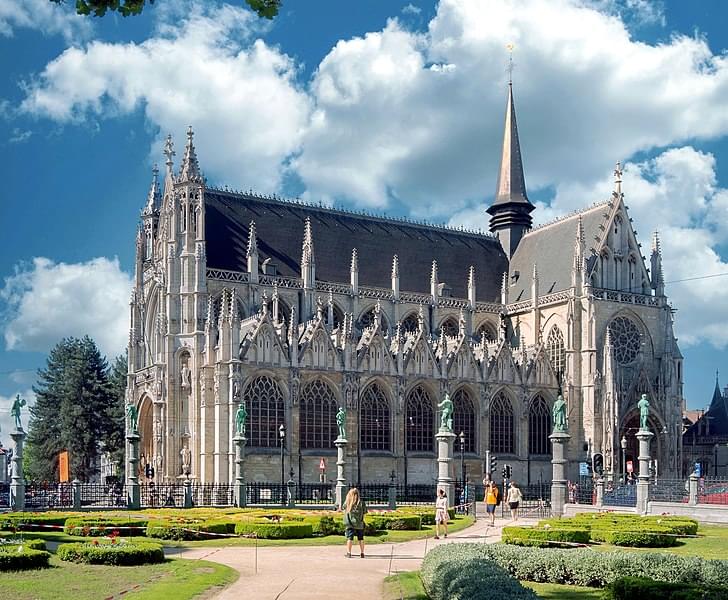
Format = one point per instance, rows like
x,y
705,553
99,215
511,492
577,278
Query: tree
x,y
98,8
113,438
73,400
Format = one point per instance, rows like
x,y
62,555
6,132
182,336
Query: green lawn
x,y
554,591
711,542
175,578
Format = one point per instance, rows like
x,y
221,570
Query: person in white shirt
x,y
514,499
441,515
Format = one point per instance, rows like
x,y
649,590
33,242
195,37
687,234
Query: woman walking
x,y
354,511
441,515
514,499
491,500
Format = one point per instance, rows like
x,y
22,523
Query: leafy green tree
x,y
263,8
73,403
113,438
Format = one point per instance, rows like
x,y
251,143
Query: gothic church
x,y
296,309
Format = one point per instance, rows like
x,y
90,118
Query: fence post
x,y
643,479
239,492
600,493
559,441
133,494
392,496
17,483
76,486
693,489
188,494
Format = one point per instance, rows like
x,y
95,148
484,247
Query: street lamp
x,y
282,437
715,461
462,465
623,443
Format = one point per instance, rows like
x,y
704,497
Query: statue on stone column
x,y
644,406
559,414
18,403
446,408
157,429
341,422
186,459
240,416
236,390
133,416
185,377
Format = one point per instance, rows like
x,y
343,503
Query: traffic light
x,y
509,471
493,463
149,471
504,472
598,464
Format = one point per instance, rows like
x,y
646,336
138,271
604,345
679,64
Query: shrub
x,y
123,553
325,525
394,521
182,529
544,537
426,514
32,521
275,531
448,574
636,538
99,526
14,543
627,588
20,558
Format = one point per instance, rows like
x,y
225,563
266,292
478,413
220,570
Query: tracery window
x,y
501,424
266,412
374,430
318,416
367,320
555,349
450,327
626,340
539,427
487,333
409,324
463,418
420,425
338,316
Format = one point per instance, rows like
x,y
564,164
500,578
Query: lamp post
x,y
282,438
623,443
463,492
715,461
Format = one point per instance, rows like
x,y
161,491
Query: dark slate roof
x,y
279,226
717,416
551,248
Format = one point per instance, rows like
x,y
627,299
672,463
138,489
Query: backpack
x,y
497,496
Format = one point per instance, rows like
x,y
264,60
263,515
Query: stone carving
x,y
157,429
133,416
644,406
559,414
240,416
185,377
341,422
186,456
446,408
18,403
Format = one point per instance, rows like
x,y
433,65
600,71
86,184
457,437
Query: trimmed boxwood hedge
x,y
285,530
32,521
28,558
32,544
447,576
99,526
427,515
628,588
116,554
394,522
544,537
181,529
636,538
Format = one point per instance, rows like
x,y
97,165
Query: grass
x,y
175,578
711,542
555,591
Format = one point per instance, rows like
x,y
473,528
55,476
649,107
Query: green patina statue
x,y
18,403
341,422
446,408
559,414
240,416
644,406
133,416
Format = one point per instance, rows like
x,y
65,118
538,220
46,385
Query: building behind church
x,y
296,309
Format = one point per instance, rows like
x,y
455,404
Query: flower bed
x,y
101,526
113,552
187,529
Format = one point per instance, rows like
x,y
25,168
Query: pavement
x,y
324,572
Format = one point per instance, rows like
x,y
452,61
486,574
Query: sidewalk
x,y
323,572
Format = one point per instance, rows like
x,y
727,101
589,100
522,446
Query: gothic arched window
x,y
367,320
409,323
374,419
318,416
463,418
337,314
266,412
626,340
420,425
284,312
539,427
450,327
487,333
501,424
555,349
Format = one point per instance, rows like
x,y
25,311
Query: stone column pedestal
x,y
239,490
392,496
76,492
17,483
559,442
341,487
188,503
693,489
133,492
600,493
445,480
643,479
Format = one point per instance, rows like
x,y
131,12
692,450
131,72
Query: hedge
x,y
627,588
121,553
636,538
275,531
584,567
28,558
427,515
394,521
32,521
678,525
98,526
446,575
546,537
181,529
14,543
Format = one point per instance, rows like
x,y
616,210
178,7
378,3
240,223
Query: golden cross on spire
x,y
510,63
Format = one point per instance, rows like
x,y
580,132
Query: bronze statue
x,y
559,414
644,406
18,403
341,422
133,416
240,416
446,407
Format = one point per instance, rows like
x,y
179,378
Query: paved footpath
x,y
324,572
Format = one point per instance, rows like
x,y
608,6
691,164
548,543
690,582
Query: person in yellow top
x,y
491,500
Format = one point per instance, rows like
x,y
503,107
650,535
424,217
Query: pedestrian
x,y
491,500
354,511
441,516
514,499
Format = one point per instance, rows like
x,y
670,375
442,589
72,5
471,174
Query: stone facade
x,y
384,316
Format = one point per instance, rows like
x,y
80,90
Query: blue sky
x,y
391,106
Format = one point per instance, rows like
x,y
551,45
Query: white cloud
x,y
47,17
411,9
7,423
240,95
19,136
47,301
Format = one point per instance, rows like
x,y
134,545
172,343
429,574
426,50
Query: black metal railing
x,y
44,496
314,493
212,494
94,495
620,495
417,493
374,493
268,493
712,490
670,490
4,495
581,491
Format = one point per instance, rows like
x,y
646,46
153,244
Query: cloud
x,y
204,69
411,9
7,423
47,301
18,136
49,18
636,13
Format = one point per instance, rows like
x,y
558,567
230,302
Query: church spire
x,y
154,196
190,170
657,279
308,262
510,211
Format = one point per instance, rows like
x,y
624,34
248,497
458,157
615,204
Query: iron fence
x,y
45,496
212,494
94,495
581,491
620,495
4,494
267,493
314,493
670,490
712,491
374,493
416,493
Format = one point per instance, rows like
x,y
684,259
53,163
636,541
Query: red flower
x,y
96,542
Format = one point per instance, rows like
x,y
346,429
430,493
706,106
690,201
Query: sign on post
x,y
322,464
64,475
630,466
583,469
697,469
